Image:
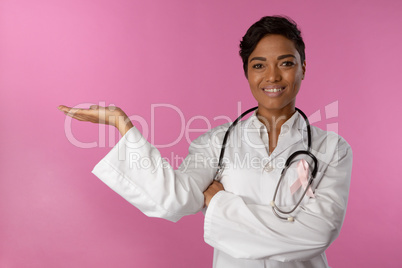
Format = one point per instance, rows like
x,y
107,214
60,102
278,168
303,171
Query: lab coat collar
x,y
289,124
291,132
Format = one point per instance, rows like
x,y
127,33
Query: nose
x,y
272,74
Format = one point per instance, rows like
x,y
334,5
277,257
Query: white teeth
x,y
273,89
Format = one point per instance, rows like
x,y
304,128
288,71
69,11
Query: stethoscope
x,y
276,210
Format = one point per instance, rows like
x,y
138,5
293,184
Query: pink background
x,y
55,213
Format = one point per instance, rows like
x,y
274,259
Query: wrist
x,y
123,124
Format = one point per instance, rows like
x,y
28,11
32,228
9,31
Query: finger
x,y
75,110
63,108
94,107
218,185
112,108
77,116
70,110
83,114
68,114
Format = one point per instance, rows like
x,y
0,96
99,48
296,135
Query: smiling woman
x,y
239,221
274,73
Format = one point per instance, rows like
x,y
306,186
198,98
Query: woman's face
x,y
275,73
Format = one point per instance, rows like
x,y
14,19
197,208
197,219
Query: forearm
x,y
248,230
135,169
252,231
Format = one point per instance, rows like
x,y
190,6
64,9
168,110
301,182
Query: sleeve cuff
x,y
208,221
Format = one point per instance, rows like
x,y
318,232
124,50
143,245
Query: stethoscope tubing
x,y
275,208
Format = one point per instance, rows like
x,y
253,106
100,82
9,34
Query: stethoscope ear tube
x,y
308,128
220,165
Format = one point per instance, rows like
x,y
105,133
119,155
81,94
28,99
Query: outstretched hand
x,y
110,115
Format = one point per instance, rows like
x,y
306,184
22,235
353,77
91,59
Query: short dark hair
x,y
270,25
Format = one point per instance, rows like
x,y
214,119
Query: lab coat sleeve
x,y
252,231
135,169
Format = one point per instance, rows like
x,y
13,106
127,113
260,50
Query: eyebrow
x,y
281,57
285,56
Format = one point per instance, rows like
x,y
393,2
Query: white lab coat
x,y
239,222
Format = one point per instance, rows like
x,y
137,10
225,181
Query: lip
x,y
274,94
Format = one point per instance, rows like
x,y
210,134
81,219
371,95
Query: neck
x,y
274,119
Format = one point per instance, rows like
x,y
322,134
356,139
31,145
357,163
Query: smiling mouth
x,y
273,89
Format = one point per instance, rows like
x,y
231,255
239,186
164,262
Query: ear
x,y
304,69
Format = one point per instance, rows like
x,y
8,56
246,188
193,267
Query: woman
x,y
239,220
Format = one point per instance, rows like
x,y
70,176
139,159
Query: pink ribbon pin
x,y
302,172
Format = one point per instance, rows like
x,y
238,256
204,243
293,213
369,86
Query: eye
x,y
288,63
257,66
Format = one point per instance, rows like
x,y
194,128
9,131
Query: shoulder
x,y
328,145
330,137
217,134
211,139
